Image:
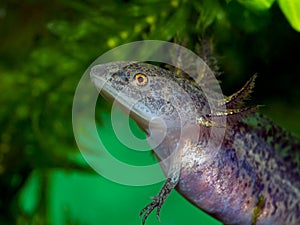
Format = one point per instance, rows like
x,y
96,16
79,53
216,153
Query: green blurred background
x,y
45,47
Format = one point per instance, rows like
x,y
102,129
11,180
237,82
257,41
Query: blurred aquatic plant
x,y
46,47
290,8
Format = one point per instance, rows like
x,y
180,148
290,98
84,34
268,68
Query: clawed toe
x,y
157,201
145,212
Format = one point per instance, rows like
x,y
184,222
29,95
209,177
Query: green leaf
x,y
209,11
258,5
291,10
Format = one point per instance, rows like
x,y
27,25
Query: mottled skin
x,y
252,179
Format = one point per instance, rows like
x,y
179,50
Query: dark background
x,y
45,47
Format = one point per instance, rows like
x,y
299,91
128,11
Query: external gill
x,y
237,99
231,113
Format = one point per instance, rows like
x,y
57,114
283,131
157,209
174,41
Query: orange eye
x,y
140,79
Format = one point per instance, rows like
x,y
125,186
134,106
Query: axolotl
x,y
251,178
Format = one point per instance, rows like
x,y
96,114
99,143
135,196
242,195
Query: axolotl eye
x,y
140,79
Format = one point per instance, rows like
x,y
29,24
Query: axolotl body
x,y
251,178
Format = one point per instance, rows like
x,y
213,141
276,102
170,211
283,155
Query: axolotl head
x,y
150,93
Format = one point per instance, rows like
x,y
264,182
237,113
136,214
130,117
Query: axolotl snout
x,y
251,178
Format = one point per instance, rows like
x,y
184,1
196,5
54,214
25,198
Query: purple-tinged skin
x,y
252,179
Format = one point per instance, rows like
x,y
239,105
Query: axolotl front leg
x,y
158,200
173,166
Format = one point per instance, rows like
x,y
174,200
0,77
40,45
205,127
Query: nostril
x,y
97,71
106,70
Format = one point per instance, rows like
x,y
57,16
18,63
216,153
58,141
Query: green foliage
x,y
46,47
257,4
290,8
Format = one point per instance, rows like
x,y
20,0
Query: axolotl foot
x,y
158,201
